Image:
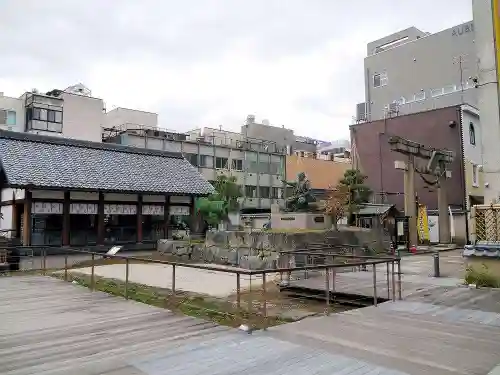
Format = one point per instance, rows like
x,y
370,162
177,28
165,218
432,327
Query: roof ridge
x,y
62,141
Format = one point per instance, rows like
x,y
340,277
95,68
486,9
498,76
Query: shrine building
x,y
59,191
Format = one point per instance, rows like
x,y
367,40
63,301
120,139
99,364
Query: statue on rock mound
x,y
301,196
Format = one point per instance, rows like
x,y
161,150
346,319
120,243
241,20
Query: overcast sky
x,y
298,63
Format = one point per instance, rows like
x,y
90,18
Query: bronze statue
x,y
301,194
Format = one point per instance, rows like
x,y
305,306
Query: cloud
x,y
298,63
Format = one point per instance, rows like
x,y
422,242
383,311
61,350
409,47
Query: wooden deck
x,y
50,327
408,336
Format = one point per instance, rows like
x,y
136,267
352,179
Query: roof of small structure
x,y
29,160
372,209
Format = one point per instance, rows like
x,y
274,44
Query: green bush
x,y
481,278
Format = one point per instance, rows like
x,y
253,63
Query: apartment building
x,y
487,41
71,113
257,163
413,71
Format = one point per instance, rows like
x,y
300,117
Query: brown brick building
x,y
439,128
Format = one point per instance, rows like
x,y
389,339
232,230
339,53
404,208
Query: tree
x,y
216,207
227,190
357,192
335,203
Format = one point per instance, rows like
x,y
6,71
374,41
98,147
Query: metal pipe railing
x,y
329,269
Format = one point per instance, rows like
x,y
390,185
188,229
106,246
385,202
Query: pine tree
x,y
358,193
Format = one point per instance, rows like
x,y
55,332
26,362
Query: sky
x,y
205,63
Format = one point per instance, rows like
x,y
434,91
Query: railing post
x,y
375,299
238,291
400,289
264,299
393,283
92,274
126,277
44,261
306,273
173,279
388,282
327,291
249,302
66,267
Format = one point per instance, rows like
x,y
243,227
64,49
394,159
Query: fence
x,y
486,222
237,296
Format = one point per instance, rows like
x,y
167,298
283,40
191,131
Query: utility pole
x,y
436,165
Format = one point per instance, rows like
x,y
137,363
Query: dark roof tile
x,y
62,163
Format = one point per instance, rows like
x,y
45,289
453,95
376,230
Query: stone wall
x,y
261,249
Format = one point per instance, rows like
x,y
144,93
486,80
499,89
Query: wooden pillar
x,y
192,215
27,218
13,224
66,226
100,219
139,218
166,216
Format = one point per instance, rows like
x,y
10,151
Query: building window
x,y
276,193
472,134
44,119
251,191
264,191
380,79
475,175
192,158
7,117
220,163
237,164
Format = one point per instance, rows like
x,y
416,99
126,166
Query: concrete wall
x,y
83,117
422,67
280,136
124,116
488,96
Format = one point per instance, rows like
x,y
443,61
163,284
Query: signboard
x,y
179,210
120,209
83,209
47,208
153,209
180,199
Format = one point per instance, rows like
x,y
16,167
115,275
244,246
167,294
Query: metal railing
x,y
252,305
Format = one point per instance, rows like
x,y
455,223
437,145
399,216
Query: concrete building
x,y
487,39
71,113
322,173
413,71
258,155
257,163
456,128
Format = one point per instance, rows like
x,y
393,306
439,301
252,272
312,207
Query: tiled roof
x,y
374,209
48,162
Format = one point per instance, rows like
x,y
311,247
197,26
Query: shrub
x,y
481,278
